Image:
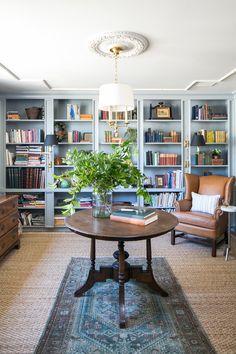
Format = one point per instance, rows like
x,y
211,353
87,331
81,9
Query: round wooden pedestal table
x,y
228,209
84,224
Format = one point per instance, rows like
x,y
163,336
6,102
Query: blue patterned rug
x,y
155,324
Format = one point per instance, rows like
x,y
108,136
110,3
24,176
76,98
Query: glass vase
x,y
102,205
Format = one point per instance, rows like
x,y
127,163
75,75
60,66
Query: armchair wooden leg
x,y
213,251
173,237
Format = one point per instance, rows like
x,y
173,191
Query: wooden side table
x,y
228,209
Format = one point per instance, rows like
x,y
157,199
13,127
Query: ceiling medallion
x,y
131,43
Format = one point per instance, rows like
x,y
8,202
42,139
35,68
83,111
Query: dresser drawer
x,y
8,240
8,207
8,223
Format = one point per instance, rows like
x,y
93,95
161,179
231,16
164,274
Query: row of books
x,y
141,216
214,136
173,179
25,136
163,159
205,158
25,177
104,115
29,219
75,136
108,136
159,136
165,200
205,112
31,200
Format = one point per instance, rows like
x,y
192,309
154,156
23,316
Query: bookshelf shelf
x,y
162,120
156,143
210,121
26,166
74,121
212,166
25,120
33,208
162,166
75,143
23,190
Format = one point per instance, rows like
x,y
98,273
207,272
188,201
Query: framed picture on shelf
x,y
159,181
88,137
163,112
72,111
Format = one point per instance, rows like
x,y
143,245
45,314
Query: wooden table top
x,y
83,223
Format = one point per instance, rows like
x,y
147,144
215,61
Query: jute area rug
x,y
30,279
90,324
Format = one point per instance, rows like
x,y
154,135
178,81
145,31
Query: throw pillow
x,y
204,203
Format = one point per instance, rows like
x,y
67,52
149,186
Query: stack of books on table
x,y
139,216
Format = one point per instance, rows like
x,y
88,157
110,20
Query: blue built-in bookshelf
x,y
163,150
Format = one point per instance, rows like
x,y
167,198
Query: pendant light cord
x,y
116,68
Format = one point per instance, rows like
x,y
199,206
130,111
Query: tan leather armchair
x,y
209,227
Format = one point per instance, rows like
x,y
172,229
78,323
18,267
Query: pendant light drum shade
x,y
116,98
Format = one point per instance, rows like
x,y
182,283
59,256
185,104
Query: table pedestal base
x,y
121,271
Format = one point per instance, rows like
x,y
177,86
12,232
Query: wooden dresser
x,y
9,237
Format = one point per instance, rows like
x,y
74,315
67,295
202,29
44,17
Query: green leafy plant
x,y
216,152
103,172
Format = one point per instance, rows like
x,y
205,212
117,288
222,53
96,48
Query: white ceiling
x,y
48,40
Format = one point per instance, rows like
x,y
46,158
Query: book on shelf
x,y
14,115
59,220
86,116
10,158
107,136
72,111
135,220
31,200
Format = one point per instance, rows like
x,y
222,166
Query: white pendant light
x,y
117,97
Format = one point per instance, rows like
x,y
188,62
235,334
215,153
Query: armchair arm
x,y
183,205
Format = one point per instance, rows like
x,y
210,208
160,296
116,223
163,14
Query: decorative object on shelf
x,y
65,184
216,153
58,160
60,131
216,157
162,111
159,181
117,97
103,173
198,140
34,112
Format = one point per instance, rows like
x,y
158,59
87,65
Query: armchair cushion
x,y
196,219
205,203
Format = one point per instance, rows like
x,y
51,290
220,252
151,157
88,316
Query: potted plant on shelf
x,y
216,153
103,172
